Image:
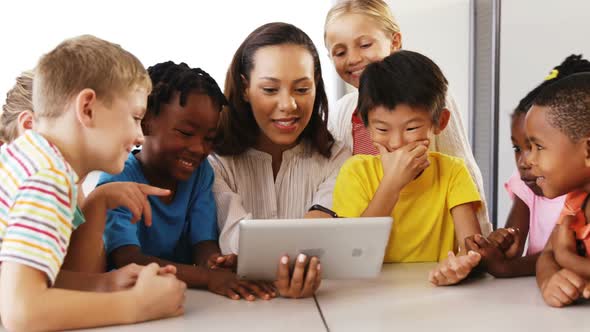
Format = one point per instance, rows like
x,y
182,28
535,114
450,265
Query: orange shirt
x,y
574,206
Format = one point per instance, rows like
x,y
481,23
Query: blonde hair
x,y
85,62
377,10
18,100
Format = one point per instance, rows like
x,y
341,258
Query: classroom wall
x,y
536,35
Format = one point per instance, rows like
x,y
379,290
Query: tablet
x,y
348,248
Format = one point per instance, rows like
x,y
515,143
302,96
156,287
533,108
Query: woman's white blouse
x,y
244,186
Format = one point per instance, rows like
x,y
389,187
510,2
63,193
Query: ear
x,y
85,106
25,120
443,121
586,151
246,85
396,42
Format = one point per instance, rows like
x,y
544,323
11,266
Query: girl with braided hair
x,y
179,126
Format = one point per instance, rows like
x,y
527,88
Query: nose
x,y
354,57
139,138
530,158
396,141
286,102
522,160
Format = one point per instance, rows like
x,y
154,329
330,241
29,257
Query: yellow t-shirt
x,y
423,228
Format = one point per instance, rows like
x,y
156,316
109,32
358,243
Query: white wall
x,y
201,33
439,29
536,35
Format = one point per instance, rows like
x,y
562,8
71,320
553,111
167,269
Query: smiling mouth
x,y
357,72
186,163
286,123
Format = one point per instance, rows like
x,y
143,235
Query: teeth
x,y
286,123
186,163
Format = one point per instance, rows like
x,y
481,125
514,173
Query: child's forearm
x,y
86,249
384,200
193,276
516,267
573,262
28,305
546,267
82,281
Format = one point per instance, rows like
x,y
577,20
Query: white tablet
x,y
348,248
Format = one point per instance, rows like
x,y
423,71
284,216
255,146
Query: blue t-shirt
x,y
176,227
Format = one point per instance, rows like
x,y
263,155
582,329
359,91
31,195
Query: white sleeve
x,y
323,195
230,210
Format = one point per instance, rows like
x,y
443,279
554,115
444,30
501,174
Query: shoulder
x,y
446,162
344,106
361,163
131,172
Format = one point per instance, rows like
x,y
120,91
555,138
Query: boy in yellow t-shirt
x,y
430,195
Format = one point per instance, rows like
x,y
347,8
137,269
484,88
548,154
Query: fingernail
x,y
301,258
284,260
511,230
318,267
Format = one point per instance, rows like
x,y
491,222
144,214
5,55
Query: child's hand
x,y
506,239
454,269
227,284
126,277
405,163
216,260
157,295
563,288
301,283
131,195
492,257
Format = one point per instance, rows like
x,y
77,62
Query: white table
x,y
205,311
403,300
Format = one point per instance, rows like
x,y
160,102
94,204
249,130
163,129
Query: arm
x,y
466,223
519,218
565,253
27,304
86,252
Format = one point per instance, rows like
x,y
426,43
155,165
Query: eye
x,y
516,148
270,90
338,54
413,128
302,90
184,133
539,147
382,130
366,45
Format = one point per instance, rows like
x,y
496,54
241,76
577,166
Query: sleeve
x,y
119,231
203,214
230,210
516,187
351,196
462,189
323,195
40,222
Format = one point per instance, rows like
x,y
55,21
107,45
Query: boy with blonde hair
x,y
86,91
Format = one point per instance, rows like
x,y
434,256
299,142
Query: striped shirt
x,y
245,188
37,203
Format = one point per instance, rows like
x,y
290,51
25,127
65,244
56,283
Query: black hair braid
x,y
168,78
571,65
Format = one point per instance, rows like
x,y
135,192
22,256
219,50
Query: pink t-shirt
x,y
544,212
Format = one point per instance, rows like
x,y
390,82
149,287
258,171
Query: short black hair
x,y
404,77
573,64
568,101
169,78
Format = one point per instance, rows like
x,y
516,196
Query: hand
x,y
405,163
227,284
564,242
216,260
454,269
492,257
300,284
506,239
563,288
126,277
131,195
157,295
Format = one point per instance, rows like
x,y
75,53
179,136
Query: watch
x,y
317,207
